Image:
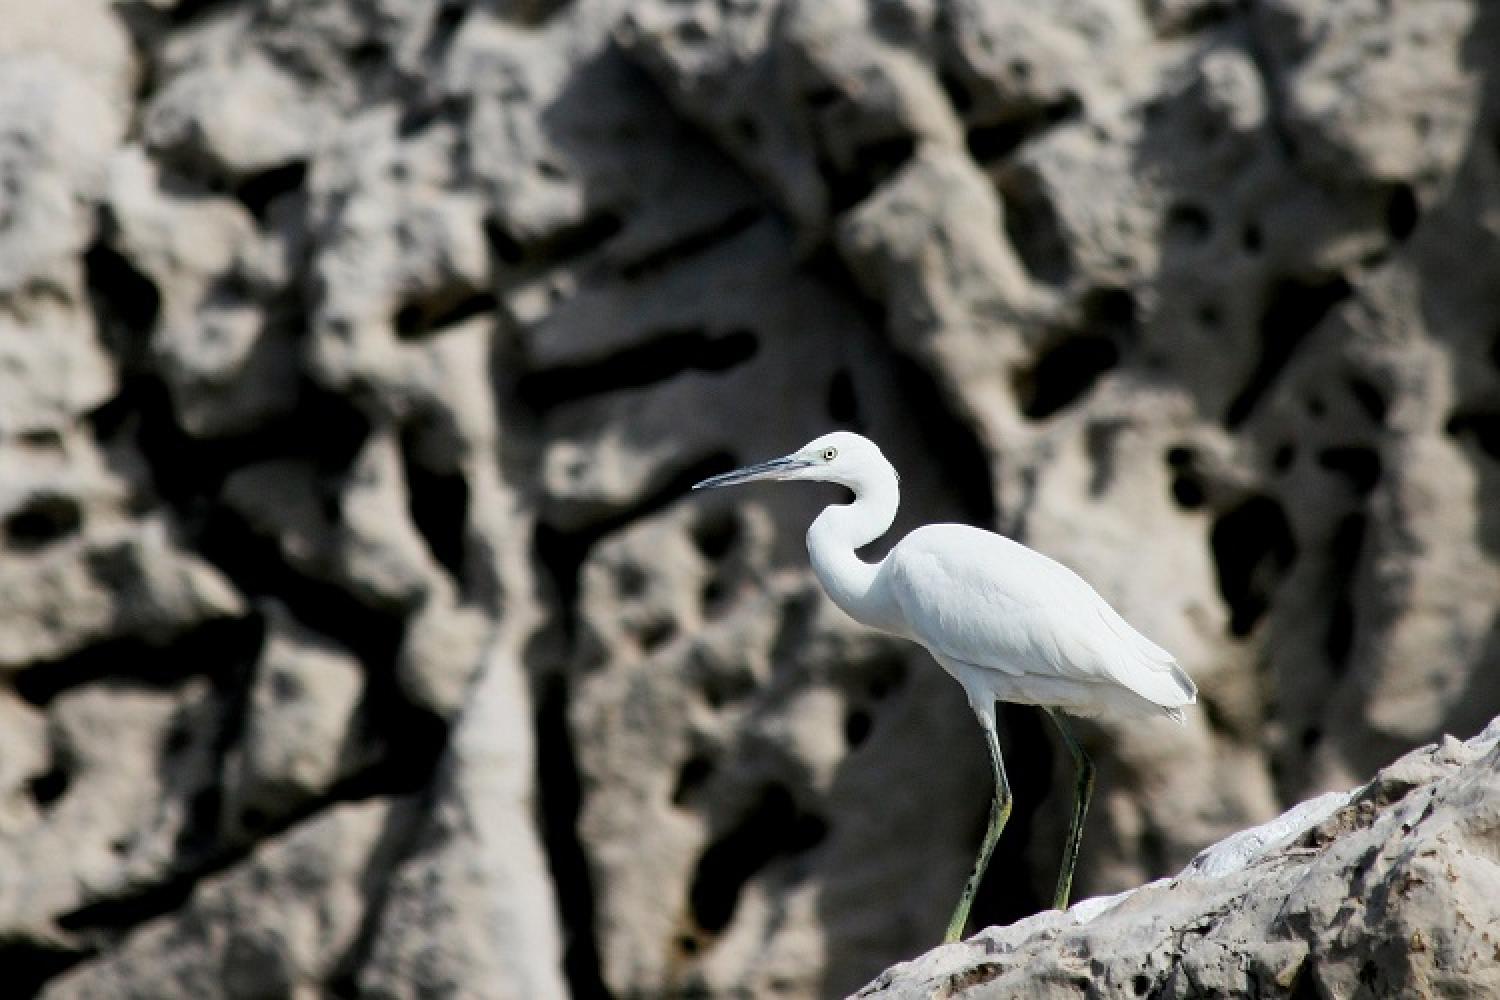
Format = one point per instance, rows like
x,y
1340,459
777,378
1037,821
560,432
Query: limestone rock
x,y
286,920
301,725
471,908
1386,890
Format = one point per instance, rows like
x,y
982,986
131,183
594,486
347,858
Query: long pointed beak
x,y
776,468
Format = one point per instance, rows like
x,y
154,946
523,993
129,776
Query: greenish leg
x,y
999,813
1083,790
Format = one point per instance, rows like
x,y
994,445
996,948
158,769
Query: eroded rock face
x,y
1389,890
355,360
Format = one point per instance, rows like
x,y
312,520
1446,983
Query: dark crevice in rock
x,y
188,472
774,826
947,440
1293,309
1359,466
660,259
586,235
843,403
665,356
125,302
1402,212
993,141
30,964
1370,399
1343,555
217,649
439,311
1253,547
561,795
875,162
439,505
1073,364
1482,427
1033,227
260,191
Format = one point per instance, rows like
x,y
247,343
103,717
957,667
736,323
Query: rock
x,y
112,802
419,319
1385,889
301,724
287,919
113,583
473,903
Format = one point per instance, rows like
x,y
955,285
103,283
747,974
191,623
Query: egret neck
x,y
840,530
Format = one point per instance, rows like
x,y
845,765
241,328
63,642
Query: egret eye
x,y
829,454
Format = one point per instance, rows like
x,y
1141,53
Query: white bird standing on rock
x,y
1008,623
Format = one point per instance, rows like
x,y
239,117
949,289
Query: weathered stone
x,y
1388,890
301,724
113,802
472,908
285,921
110,584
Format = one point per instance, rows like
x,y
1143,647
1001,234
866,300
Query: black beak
x,y
776,468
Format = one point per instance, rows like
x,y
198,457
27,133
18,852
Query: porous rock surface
x,y
1392,890
356,634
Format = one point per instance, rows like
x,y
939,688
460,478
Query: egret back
x,y
980,599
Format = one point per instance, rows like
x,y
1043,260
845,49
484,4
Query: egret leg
x,y
999,813
1083,790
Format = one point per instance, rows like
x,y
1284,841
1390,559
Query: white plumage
x,y
1006,622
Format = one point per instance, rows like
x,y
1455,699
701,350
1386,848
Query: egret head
x,y
841,457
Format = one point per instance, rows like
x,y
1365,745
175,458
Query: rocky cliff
x,y
356,636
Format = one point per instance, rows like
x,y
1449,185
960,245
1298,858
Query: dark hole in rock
x,y
997,140
691,777
656,634
1188,491
1369,398
1251,238
29,964
1483,428
438,312
1034,228
1402,212
1283,457
48,787
125,300
1359,466
1140,984
630,580
876,161
716,532
43,519
1343,553
661,258
439,505
1311,736
843,407
772,827
561,795
666,356
957,91
1188,223
857,726
1064,373
505,246
1252,547
260,190
1293,309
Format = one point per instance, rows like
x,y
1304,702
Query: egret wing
x,y
982,599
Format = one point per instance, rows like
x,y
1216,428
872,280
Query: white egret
x,y
1007,623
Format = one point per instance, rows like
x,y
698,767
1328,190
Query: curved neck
x,y
841,529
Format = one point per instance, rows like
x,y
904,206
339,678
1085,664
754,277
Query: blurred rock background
x,y
356,636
